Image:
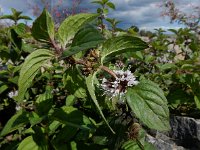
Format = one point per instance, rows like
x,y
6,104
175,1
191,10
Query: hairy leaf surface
x,y
149,104
72,24
121,44
87,37
30,69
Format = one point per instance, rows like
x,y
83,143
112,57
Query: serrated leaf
x,y
149,104
30,69
71,25
121,44
15,122
91,89
43,27
87,37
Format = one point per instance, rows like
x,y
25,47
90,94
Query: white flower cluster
x,y
118,86
12,94
164,58
18,108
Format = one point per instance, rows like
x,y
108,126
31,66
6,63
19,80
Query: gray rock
x,y
184,135
163,143
186,131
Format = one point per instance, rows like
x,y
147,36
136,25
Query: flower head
x,y
118,86
12,94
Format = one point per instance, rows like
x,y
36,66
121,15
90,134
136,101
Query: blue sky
x,y
143,13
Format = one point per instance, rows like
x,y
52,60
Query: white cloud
x,y
143,13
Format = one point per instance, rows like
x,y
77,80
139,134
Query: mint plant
x,y
170,62
68,94
16,16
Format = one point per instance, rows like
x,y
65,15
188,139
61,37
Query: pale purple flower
x,y
118,86
12,94
18,107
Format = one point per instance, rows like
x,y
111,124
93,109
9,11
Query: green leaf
x,y
111,5
43,27
173,31
98,2
7,17
34,118
133,145
105,11
149,104
20,29
31,143
188,66
64,136
18,120
197,101
30,69
70,100
14,80
53,127
3,87
24,17
139,55
16,40
121,44
166,66
86,38
28,143
100,140
69,116
44,103
178,96
71,25
74,83
104,1
91,89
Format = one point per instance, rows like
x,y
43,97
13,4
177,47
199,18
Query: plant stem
x,y
108,70
55,45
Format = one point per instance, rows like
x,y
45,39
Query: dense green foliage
x,y
71,88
